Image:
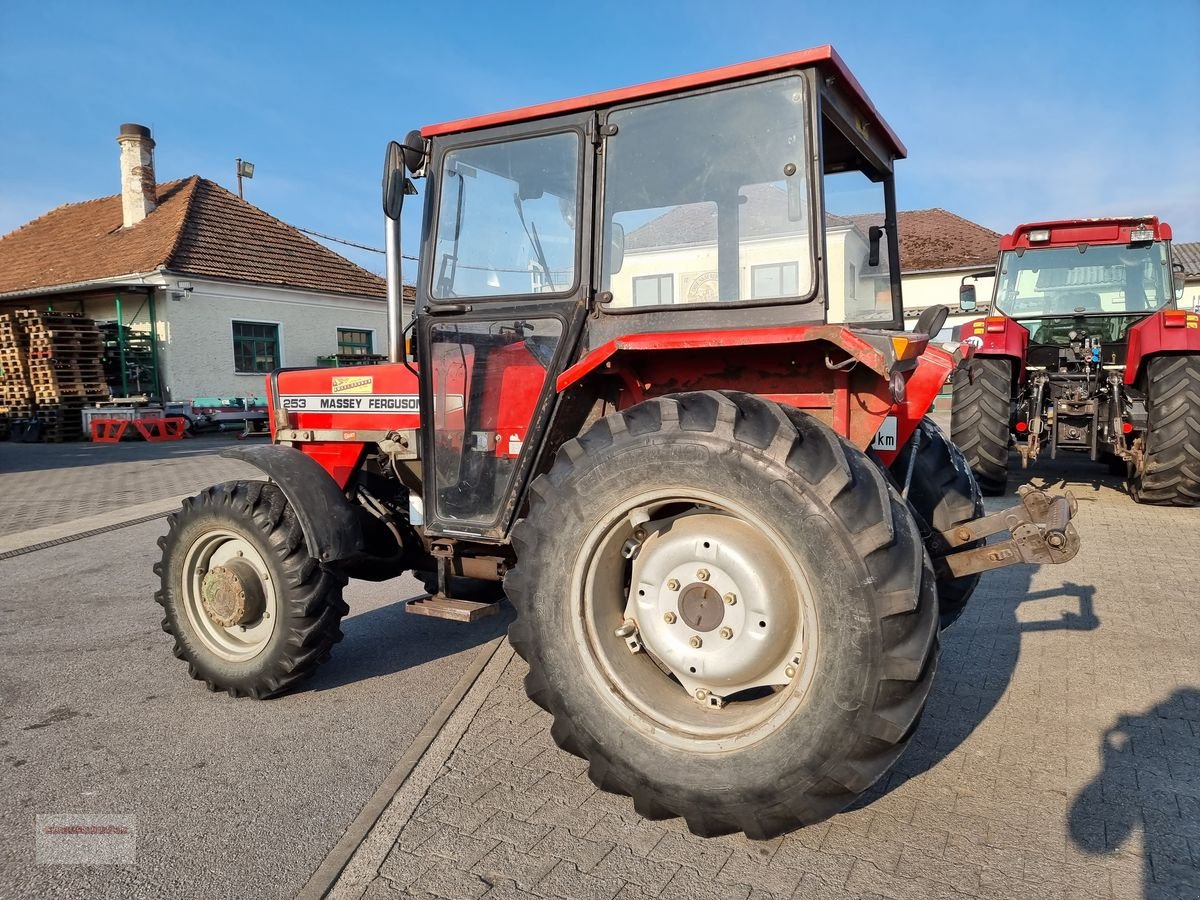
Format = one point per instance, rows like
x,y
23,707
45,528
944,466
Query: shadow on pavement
x,y
1135,790
18,457
387,639
991,616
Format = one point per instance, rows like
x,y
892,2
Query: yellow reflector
x,y
906,347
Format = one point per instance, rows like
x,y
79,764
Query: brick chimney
x,y
138,189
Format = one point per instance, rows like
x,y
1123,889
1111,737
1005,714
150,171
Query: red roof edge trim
x,y
780,63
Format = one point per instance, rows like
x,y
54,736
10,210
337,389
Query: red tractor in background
x,y
666,411
1084,351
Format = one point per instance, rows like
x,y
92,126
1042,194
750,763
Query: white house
x,y
229,292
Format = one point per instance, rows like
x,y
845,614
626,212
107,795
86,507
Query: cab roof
x,y
824,57
1066,232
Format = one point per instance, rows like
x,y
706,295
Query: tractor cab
x,y
755,196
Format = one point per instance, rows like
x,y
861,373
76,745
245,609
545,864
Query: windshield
x,y
1066,281
507,218
706,198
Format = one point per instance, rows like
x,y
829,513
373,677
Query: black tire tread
x,y
943,494
979,420
1171,471
894,561
312,602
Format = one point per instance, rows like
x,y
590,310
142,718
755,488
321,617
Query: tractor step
x,y
449,608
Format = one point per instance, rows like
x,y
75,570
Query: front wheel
x,y
727,610
251,611
1169,470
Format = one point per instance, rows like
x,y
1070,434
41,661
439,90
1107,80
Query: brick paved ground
x,y
45,484
1059,757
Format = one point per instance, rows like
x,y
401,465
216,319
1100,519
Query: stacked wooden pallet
x,y
16,396
53,369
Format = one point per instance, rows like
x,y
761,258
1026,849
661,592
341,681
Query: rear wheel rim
x,y
225,548
653,690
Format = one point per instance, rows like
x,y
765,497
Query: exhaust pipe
x,y
395,291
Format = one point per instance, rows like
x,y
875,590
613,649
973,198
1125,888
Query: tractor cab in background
x,y
1085,351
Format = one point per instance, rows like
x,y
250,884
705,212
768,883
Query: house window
x,y
774,280
355,342
653,290
255,347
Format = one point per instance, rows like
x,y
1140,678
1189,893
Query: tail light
x,y
1178,318
1022,426
1127,427
995,324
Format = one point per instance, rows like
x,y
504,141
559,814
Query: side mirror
x,y
1180,284
874,235
966,298
394,179
413,151
616,247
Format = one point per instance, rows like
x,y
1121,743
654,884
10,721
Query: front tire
x,y
944,494
980,413
786,611
1169,473
251,611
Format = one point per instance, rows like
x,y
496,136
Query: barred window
x,y
255,347
355,341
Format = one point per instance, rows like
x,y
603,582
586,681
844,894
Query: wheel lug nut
x,y
669,618
702,574
790,671
672,584
726,633
701,694
695,642
731,600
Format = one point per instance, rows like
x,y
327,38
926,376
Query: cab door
x,y
503,292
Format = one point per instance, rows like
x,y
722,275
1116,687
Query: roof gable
x,y
198,228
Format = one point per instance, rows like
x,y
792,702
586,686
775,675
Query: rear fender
x,y
838,375
329,520
1151,337
1006,337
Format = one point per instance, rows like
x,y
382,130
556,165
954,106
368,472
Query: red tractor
x,y
1084,351
665,405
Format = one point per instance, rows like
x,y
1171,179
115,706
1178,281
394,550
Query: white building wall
x,y
925,289
196,332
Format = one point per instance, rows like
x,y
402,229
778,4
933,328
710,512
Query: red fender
x,y
999,336
1167,331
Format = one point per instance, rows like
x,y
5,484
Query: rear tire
x,y
943,494
272,616
1170,468
980,414
852,594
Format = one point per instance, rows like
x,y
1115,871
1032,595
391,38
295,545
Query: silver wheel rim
x,y
235,643
747,681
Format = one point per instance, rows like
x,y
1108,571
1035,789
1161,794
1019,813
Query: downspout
x,y
154,346
121,345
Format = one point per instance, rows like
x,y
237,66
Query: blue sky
x,y
1011,112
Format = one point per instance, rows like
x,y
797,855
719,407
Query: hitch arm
x,y
1040,528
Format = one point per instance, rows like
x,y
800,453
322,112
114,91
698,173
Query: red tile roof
x,y
198,228
1188,256
938,239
